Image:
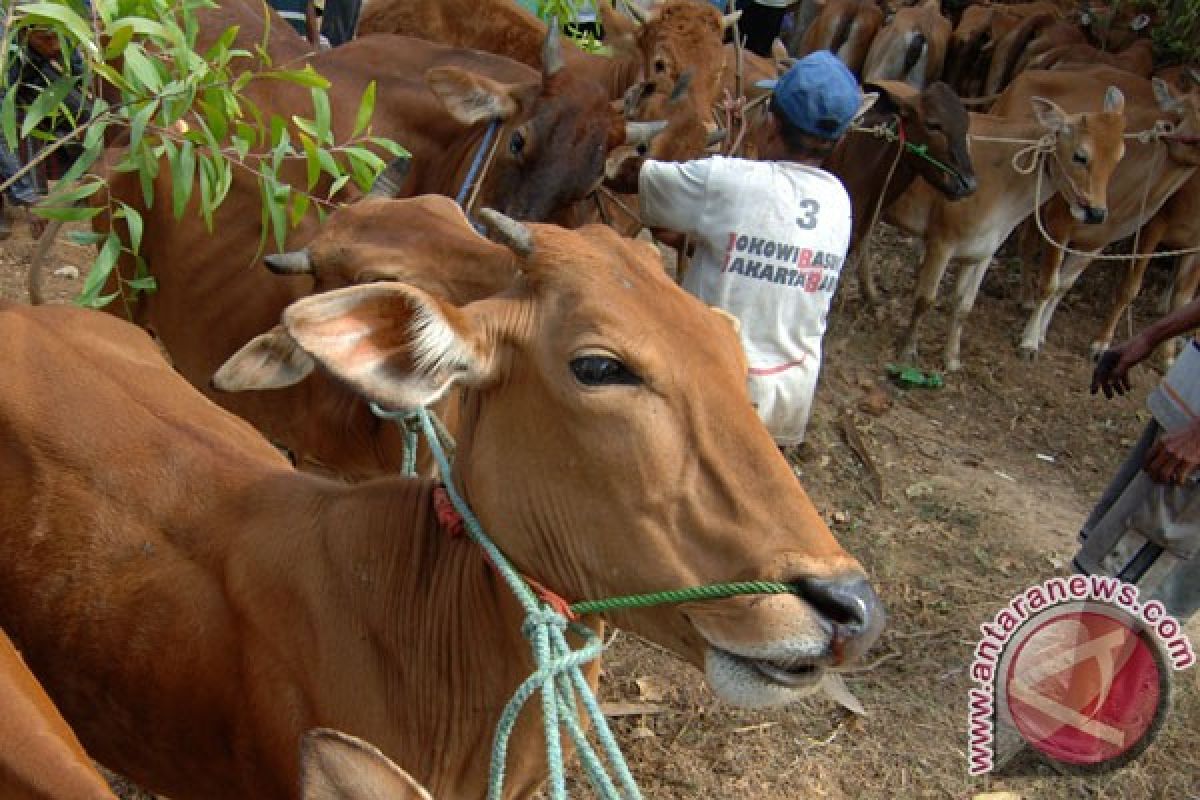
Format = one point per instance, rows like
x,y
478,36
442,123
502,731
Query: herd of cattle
x,y
197,608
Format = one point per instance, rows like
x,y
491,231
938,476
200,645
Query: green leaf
x,y
393,149
137,125
143,284
101,269
120,38
321,116
133,219
337,185
67,214
299,208
139,66
85,238
312,161
304,77
67,195
8,119
46,103
328,164
183,169
85,160
366,108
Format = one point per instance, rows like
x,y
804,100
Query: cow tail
x,y
38,259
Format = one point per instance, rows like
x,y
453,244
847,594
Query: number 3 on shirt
x,y
809,220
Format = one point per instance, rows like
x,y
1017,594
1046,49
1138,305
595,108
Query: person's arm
x,y
1111,373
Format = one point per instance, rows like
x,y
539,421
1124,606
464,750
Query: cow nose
x,y
1093,215
853,608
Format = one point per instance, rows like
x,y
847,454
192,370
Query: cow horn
x,y
514,235
715,136
297,262
552,57
636,12
387,183
728,20
681,87
642,132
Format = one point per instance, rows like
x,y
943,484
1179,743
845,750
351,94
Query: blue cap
x,y
818,95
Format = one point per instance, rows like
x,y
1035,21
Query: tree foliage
x,y
172,107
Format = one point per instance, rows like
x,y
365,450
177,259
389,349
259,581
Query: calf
x,y
1085,148
1138,58
1035,36
934,119
911,48
40,758
1150,173
194,605
976,37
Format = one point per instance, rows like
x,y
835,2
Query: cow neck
x,y
1017,139
441,632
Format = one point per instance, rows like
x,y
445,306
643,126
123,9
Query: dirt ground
x,y
984,484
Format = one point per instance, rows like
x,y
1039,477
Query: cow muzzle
x,y
777,649
1091,215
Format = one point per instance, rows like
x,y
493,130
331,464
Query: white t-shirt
x,y
771,237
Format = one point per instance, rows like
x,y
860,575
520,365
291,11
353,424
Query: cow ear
x,y
271,360
336,766
868,101
471,98
1049,114
394,344
1114,101
1163,96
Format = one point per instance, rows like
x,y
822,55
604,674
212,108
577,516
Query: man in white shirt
x,y
770,235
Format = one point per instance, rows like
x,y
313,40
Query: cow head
x,y
935,119
678,38
553,135
642,465
1183,147
1087,148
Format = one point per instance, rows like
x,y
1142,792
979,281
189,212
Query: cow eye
x,y
660,65
516,145
1080,158
602,371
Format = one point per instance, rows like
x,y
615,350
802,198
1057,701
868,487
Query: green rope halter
x,y
919,150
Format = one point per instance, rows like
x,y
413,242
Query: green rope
x,y
713,591
558,675
918,150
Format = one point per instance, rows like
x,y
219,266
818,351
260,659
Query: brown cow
x,y
1085,149
230,604
933,118
40,758
678,36
845,27
911,48
1149,174
976,37
1177,227
1035,36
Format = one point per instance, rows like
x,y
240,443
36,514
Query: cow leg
x,y
866,275
1049,278
969,281
933,267
1072,268
1152,234
1029,243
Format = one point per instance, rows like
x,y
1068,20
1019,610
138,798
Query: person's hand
x,y
1175,456
1112,368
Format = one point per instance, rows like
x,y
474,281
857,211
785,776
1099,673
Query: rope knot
x,y
1026,160
540,618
